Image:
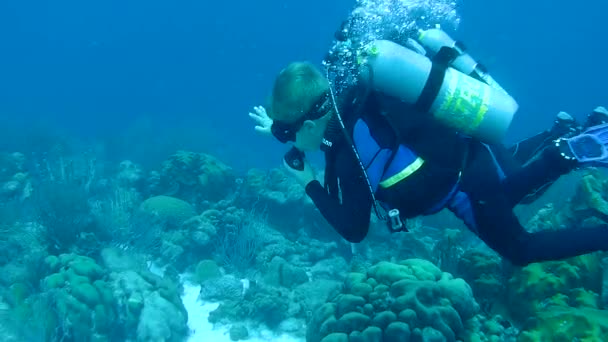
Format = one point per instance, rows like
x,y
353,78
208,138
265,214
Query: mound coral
x,y
483,270
412,299
82,304
195,177
170,211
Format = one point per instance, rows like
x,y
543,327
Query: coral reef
x,y
283,201
409,300
587,208
147,305
259,249
483,270
538,285
169,211
80,302
567,324
194,177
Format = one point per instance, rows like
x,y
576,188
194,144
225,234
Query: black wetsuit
x,y
492,181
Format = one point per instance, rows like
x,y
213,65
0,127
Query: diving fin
x,y
589,147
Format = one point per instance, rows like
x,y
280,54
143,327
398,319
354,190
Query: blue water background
x,y
140,79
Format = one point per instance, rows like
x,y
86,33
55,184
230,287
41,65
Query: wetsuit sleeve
x,y
351,216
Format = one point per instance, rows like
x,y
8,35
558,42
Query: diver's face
x,y
310,136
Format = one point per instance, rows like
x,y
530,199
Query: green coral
x,y
588,206
483,271
538,285
238,332
262,304
483,328
283,200
590,196
558,301
567,324
76,300
395,300
196,177
206,269
171,211
274,186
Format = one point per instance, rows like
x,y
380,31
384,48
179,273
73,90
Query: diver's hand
x,y
263,122
303,177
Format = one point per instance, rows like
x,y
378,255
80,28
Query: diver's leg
x,y
565,125
540,172
524,150
499,228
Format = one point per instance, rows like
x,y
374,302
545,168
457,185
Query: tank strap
x,y
431,88
441,61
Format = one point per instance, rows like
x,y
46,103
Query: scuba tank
x,y
436,39
457,100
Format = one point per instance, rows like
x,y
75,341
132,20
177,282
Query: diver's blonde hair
x,y
295,91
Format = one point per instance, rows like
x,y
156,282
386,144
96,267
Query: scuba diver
x,y
410,135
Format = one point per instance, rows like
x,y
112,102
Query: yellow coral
x,y
567,324
538,285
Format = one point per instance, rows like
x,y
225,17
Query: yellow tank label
x,y
373,50
465,104
370,50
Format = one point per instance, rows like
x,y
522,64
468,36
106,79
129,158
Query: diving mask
x,y
286,132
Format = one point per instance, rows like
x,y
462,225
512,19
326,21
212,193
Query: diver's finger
x,y
258,119
263,130
260,110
